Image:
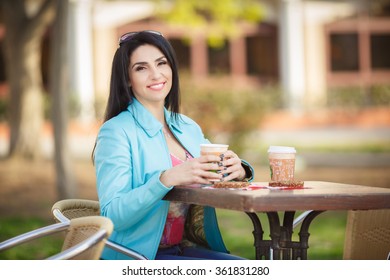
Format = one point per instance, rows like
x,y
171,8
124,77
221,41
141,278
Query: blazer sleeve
x,y
122,202
249,171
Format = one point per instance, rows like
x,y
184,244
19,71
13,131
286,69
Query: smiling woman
x,y
150,80
146,147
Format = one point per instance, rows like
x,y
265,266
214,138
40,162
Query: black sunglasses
x,y
127,36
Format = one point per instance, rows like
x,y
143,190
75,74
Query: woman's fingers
x,y
207,169
232,168
201,172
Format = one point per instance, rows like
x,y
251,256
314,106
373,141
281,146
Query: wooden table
x,y
315,196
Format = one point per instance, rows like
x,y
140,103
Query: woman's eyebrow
x,y
144,62
160,58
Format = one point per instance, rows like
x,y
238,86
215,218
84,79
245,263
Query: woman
x,y
145,147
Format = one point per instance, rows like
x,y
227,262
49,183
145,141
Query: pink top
x,y
174,225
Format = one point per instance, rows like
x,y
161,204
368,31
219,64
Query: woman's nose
x,y
155,73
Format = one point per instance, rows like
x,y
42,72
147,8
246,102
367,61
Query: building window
x,y
262,56
219,59
182,51
380,51
344,52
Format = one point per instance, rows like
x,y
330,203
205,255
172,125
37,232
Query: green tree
x,y
220,19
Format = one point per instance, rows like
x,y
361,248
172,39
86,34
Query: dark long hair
x,y
121,94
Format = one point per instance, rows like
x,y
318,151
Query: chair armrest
x,y
34,234
123,250
58,216
80,247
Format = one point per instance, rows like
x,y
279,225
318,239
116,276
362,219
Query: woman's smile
x,y
157,87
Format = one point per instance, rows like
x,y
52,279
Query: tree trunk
x,y
26,112
59,85
23,63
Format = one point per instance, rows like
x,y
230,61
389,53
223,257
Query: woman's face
x,y
150,75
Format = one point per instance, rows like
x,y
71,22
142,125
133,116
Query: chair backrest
x,y
84,239
68,209
96,229
367,235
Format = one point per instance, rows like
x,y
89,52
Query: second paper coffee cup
x,y
281,162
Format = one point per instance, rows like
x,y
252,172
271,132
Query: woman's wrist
x,y
164,179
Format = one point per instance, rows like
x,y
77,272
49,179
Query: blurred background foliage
x,y
227,114
354,97
218,17
231,114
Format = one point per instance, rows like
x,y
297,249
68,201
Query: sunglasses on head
x,y
127,36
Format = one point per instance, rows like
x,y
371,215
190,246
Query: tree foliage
x,y
219,18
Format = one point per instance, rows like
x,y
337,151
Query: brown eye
x,y
139,68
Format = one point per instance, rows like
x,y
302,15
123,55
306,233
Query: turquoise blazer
x,y
131,152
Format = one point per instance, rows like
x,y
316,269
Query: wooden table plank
x,y
315,196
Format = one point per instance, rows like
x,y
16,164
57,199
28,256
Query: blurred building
x,y
306,46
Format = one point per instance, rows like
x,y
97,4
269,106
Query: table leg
x,y
304,235
281,245
286,234
262,247
275,234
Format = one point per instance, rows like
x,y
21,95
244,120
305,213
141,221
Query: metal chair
x,y
298,220
84,238
367,235
68,209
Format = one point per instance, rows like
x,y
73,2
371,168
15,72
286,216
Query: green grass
x,y
377,147
326,239
34,250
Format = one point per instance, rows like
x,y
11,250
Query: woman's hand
x,y
231,167
205,170
194,171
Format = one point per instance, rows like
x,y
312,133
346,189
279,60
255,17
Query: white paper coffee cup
x,y
281,162
213,149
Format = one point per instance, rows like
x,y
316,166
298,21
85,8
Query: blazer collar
x,y
148,122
